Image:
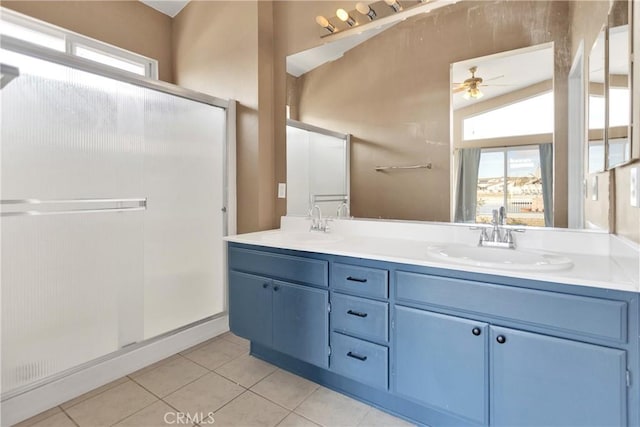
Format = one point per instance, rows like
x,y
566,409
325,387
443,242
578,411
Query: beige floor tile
x,y
285,389
295,420
216,353
41,416
154,366
230,336
207,394
158,414
246,370
94,392
58,420
250,410
170,376
376,418
111,406
331,409
202,344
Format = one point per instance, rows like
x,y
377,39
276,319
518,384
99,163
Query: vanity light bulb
x,y
393,4
366,10
344,16
324,23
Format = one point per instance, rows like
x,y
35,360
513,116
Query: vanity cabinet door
x,y
537,380
441,361
250,307
301,322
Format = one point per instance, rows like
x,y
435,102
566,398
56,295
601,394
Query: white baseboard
x,y
33,402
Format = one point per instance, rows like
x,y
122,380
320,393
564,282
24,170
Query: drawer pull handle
x,y
357,313
356,279
476,331
501,339
357,356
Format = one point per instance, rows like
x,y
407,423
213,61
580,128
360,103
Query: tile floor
x,y
217,376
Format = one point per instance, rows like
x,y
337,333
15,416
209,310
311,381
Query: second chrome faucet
x,y
501,237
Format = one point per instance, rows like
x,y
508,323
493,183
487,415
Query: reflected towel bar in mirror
x,y
386,168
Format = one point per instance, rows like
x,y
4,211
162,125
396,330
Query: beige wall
x,y
225,48
392,93
127,24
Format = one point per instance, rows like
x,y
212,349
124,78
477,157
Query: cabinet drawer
x,y
359,316
286,267
360,360
365,281
590,317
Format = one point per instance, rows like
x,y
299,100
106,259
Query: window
x,y
531,116
519,168
30,30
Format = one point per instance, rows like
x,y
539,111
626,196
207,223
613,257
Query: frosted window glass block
x,y
184,167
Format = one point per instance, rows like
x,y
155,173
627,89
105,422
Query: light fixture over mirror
x,y
366,10
324,23
344,16
394,4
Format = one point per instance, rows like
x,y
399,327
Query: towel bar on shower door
x,y
139,205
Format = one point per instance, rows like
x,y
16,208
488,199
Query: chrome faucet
x,y
343,211
317,223
501,236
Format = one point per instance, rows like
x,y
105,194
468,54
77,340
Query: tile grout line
x,y
69,416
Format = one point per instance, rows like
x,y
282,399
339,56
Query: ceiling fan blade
x,y
459,89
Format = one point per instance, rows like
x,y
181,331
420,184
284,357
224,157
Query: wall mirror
x,y
619,89
503,122
392,92
596,105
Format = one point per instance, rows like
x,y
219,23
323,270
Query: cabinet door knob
x,y
276,287
476,331
501,339
265,285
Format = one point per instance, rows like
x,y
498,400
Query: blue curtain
x,y
546,172
468,163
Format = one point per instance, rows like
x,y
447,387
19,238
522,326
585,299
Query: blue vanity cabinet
x,y
441,361
301,322
276,313
538,380
250,306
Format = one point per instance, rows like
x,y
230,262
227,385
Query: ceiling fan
x,y
471,86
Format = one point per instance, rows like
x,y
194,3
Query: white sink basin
x,y
301,237
506,259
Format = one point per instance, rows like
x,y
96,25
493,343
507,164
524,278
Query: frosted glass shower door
x,y
183,228
316,166
71,281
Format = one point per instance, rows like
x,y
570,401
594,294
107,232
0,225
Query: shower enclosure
x,y
113,193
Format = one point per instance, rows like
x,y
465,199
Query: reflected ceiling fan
x,y
471,86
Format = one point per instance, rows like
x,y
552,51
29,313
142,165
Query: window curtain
x,y
468,163
546,172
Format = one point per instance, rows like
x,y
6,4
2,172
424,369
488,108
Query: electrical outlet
x,y
282,190
634,187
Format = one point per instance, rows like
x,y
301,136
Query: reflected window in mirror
x,y
596,106
619,144
522,196
503,144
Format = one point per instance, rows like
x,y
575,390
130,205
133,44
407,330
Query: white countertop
x,y
599,260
